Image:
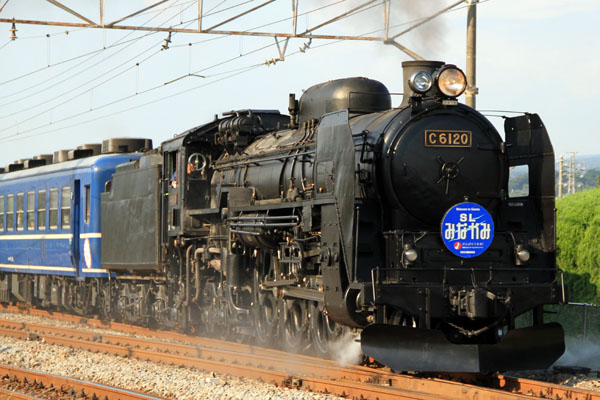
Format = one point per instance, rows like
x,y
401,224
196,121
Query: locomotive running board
x,y
412,349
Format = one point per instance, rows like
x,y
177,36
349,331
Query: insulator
x,y
305,46
13,32
165,45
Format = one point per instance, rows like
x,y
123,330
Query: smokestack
x,y
409,68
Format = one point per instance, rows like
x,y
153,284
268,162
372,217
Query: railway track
x,y
26,384
281,368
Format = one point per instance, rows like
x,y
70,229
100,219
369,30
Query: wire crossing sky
x,y
63,87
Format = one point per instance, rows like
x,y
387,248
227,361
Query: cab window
x,y
518,181
172,169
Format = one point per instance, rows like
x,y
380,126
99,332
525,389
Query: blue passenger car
x,y
50,217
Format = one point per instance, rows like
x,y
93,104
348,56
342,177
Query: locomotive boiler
x,y
345,215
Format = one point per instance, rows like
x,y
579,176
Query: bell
x,y
13,31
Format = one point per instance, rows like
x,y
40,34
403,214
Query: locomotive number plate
x,y
440,138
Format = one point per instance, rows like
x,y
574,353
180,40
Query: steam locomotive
x,y
346,214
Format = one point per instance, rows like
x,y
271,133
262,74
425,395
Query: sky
x,y
59,90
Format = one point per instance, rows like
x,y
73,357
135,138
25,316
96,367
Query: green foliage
x,y
590,178
579,322
578,244
518,184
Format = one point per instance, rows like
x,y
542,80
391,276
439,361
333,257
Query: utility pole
x,y
573,174
561,166
571,182
471,53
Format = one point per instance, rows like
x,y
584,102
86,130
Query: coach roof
x,y
82,163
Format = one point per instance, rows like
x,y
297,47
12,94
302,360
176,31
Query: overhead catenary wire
x,y
4,5
235,73
210,12
73,97
154,88
91,53
273,22
94,52
245,69
43,35
27,74
153,46
501,113
113,77
138,93
165,7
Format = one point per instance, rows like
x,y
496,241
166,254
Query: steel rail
x,y
541,389
243,360
91,389
200,350
341,387
14,395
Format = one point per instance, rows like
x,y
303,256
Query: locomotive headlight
x,y
410,254
523,254
451,81
420,82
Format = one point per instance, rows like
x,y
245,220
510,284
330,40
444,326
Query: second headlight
x,y
451,81
420,82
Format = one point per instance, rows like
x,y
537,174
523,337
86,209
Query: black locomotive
x,y
294,228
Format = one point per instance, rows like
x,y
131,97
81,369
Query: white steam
x,y
346,350
581,353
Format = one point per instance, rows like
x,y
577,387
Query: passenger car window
x,y
30,211
10,209
65,207
41,222
1,213
87,204
20,211
53,208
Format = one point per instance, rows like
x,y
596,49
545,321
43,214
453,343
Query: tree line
x,y
519,182
578,244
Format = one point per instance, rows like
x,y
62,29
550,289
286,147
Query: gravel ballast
x,y
161,380
176,382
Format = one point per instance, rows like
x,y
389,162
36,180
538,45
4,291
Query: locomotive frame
x,y
297,228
